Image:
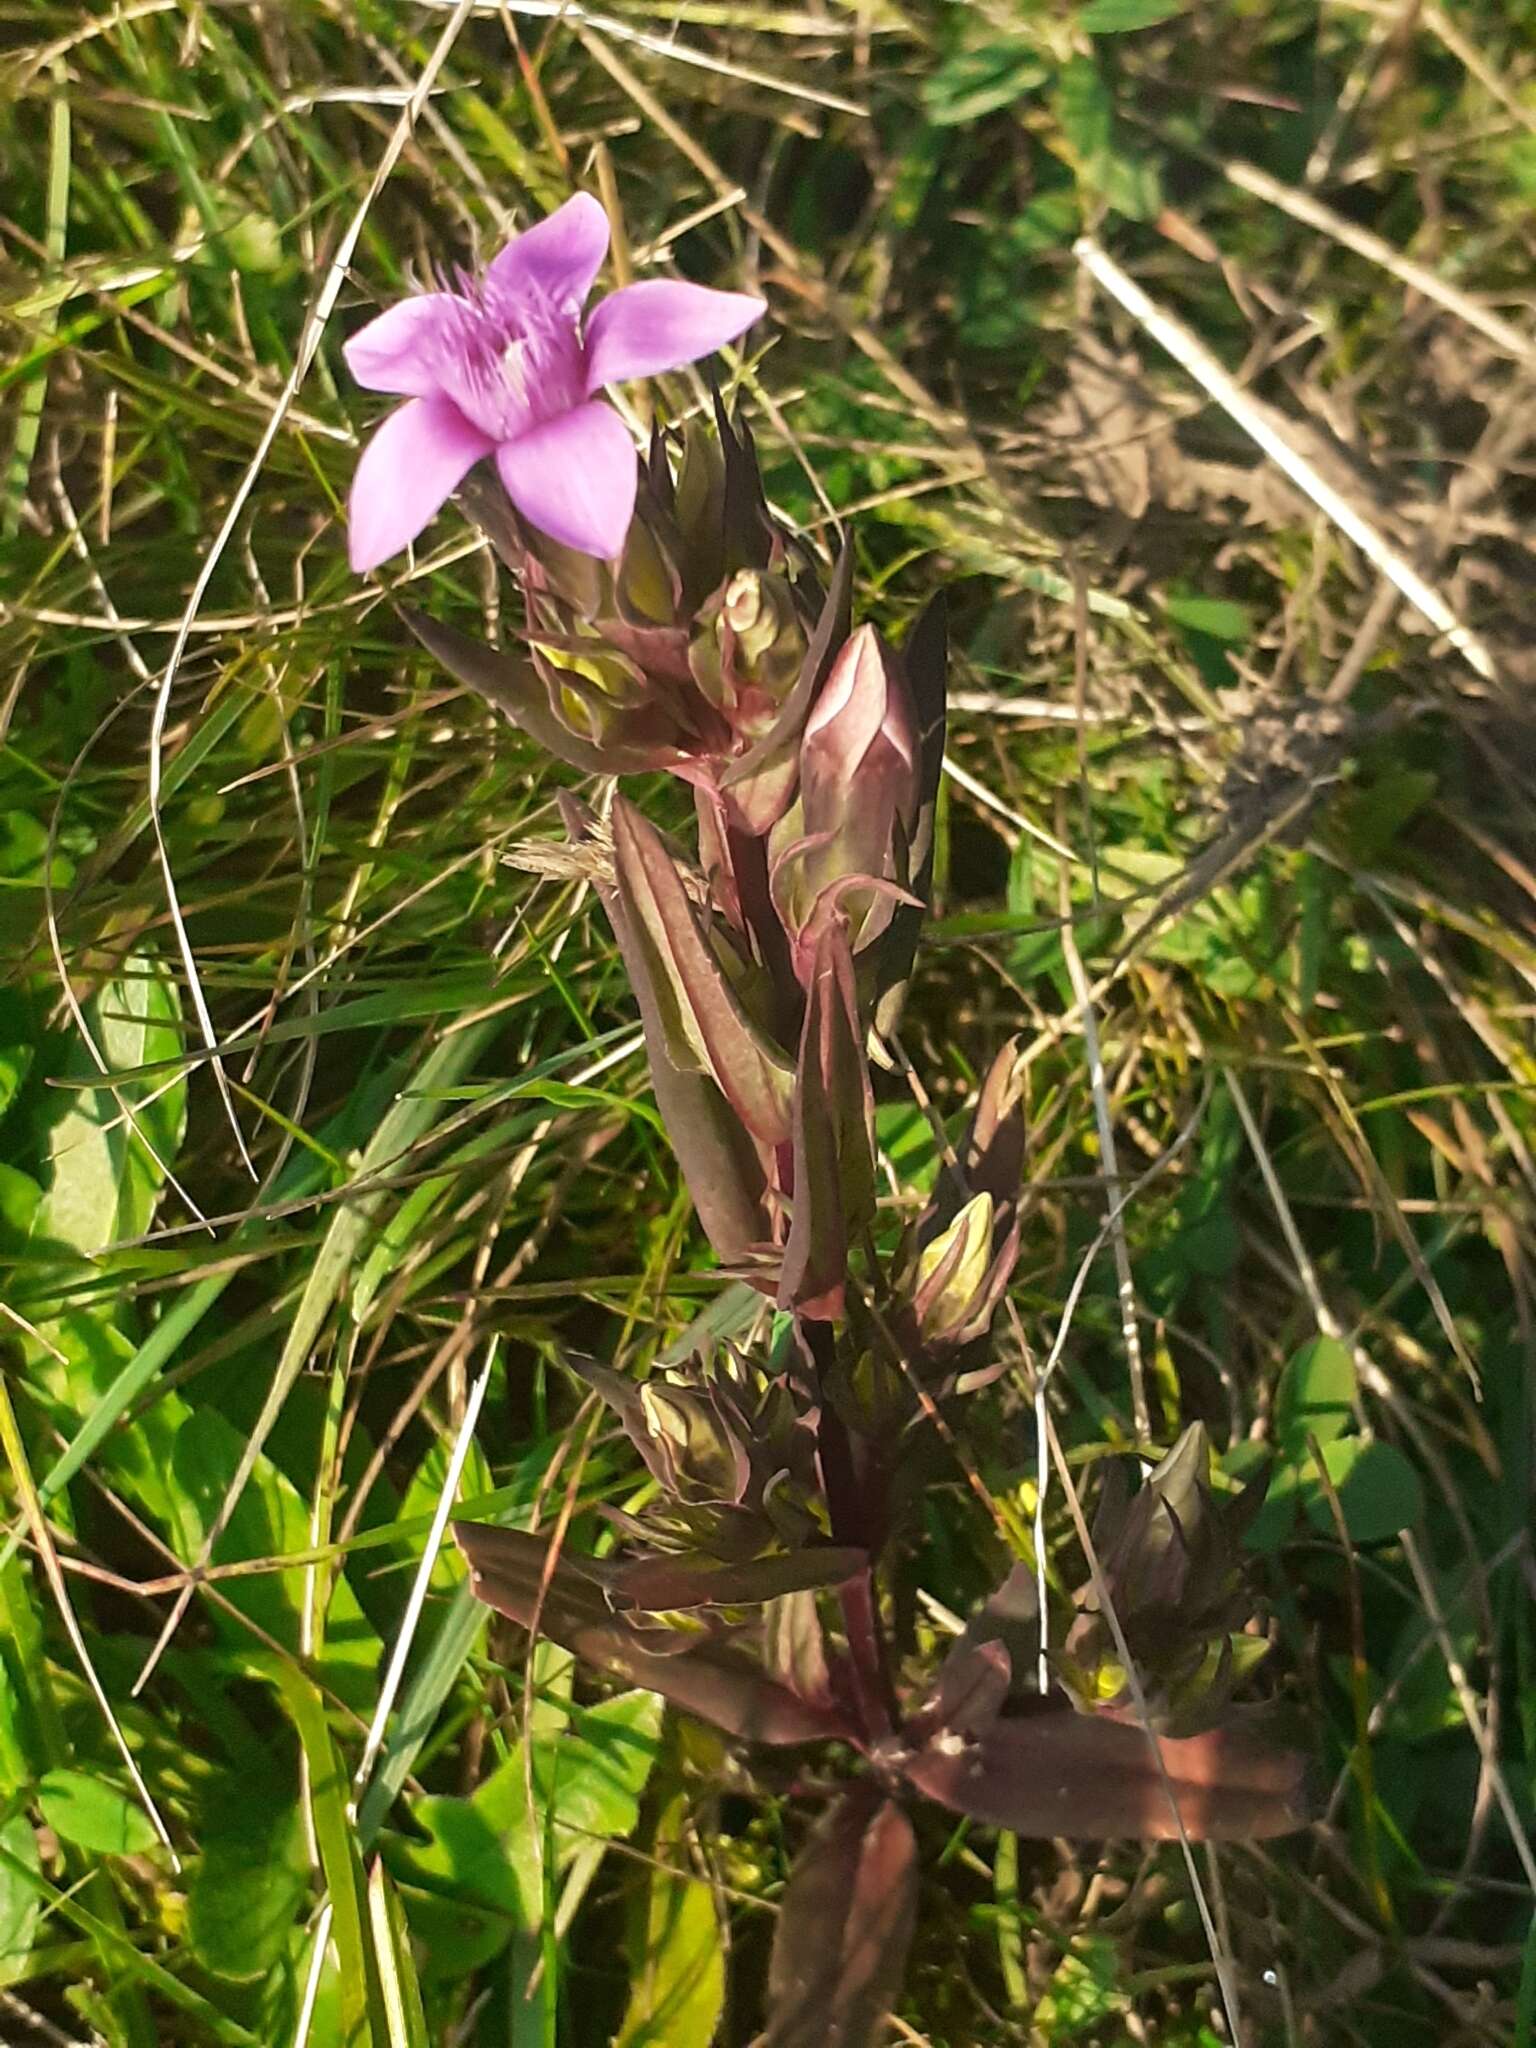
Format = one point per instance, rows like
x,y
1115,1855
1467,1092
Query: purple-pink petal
x,y
420,454
659,325
574,478
556,259
403,349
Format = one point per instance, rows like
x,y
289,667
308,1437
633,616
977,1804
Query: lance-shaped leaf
x,y
746,522
761,782
721,1165
845,1926
834,1155
512,1572
925,657
1086,1777
513,684
659,1584
699,1007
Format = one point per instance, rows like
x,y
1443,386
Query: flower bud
x,y
843,844
952,1273
748,655
858,759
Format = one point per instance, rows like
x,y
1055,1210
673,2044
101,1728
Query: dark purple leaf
x,y
972,1686
657,1583
512,1572
1086,1777
924,655
845,1926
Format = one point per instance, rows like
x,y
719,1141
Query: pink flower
x,y
505,366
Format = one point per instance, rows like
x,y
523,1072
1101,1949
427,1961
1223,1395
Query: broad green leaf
x,y
1117,17
1085,110
464,1895
1276,1519
105,1174
974,83
1219,617
1315,1397
1378,1490
250,1880
677,1971
91,1812
20,1902
591,1775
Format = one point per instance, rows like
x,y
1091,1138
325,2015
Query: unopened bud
x,y
952,1272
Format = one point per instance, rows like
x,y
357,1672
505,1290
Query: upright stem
x,y
857,1518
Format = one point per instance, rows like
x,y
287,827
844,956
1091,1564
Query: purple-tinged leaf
x,y
722,1167
968,1695
658,1584
1086,1777
924,656
512,1572
834,1157
690,987
845,1926
795,1646
746,523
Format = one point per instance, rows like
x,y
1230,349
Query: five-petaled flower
x,y
506,366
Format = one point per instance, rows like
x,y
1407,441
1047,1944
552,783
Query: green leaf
x,y
1277,1516
977,82
404,2015
92,1813
105,1173
1379,1491
361,2006
1117,17
678,1972
1085,110
1123,176
250,1881
1085,1991
1219,617
591,1775
1315,1398
20,1902
905,1136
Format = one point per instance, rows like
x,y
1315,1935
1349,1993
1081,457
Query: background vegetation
x,y
1222,813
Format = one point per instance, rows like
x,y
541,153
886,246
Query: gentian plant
x,y
670,622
